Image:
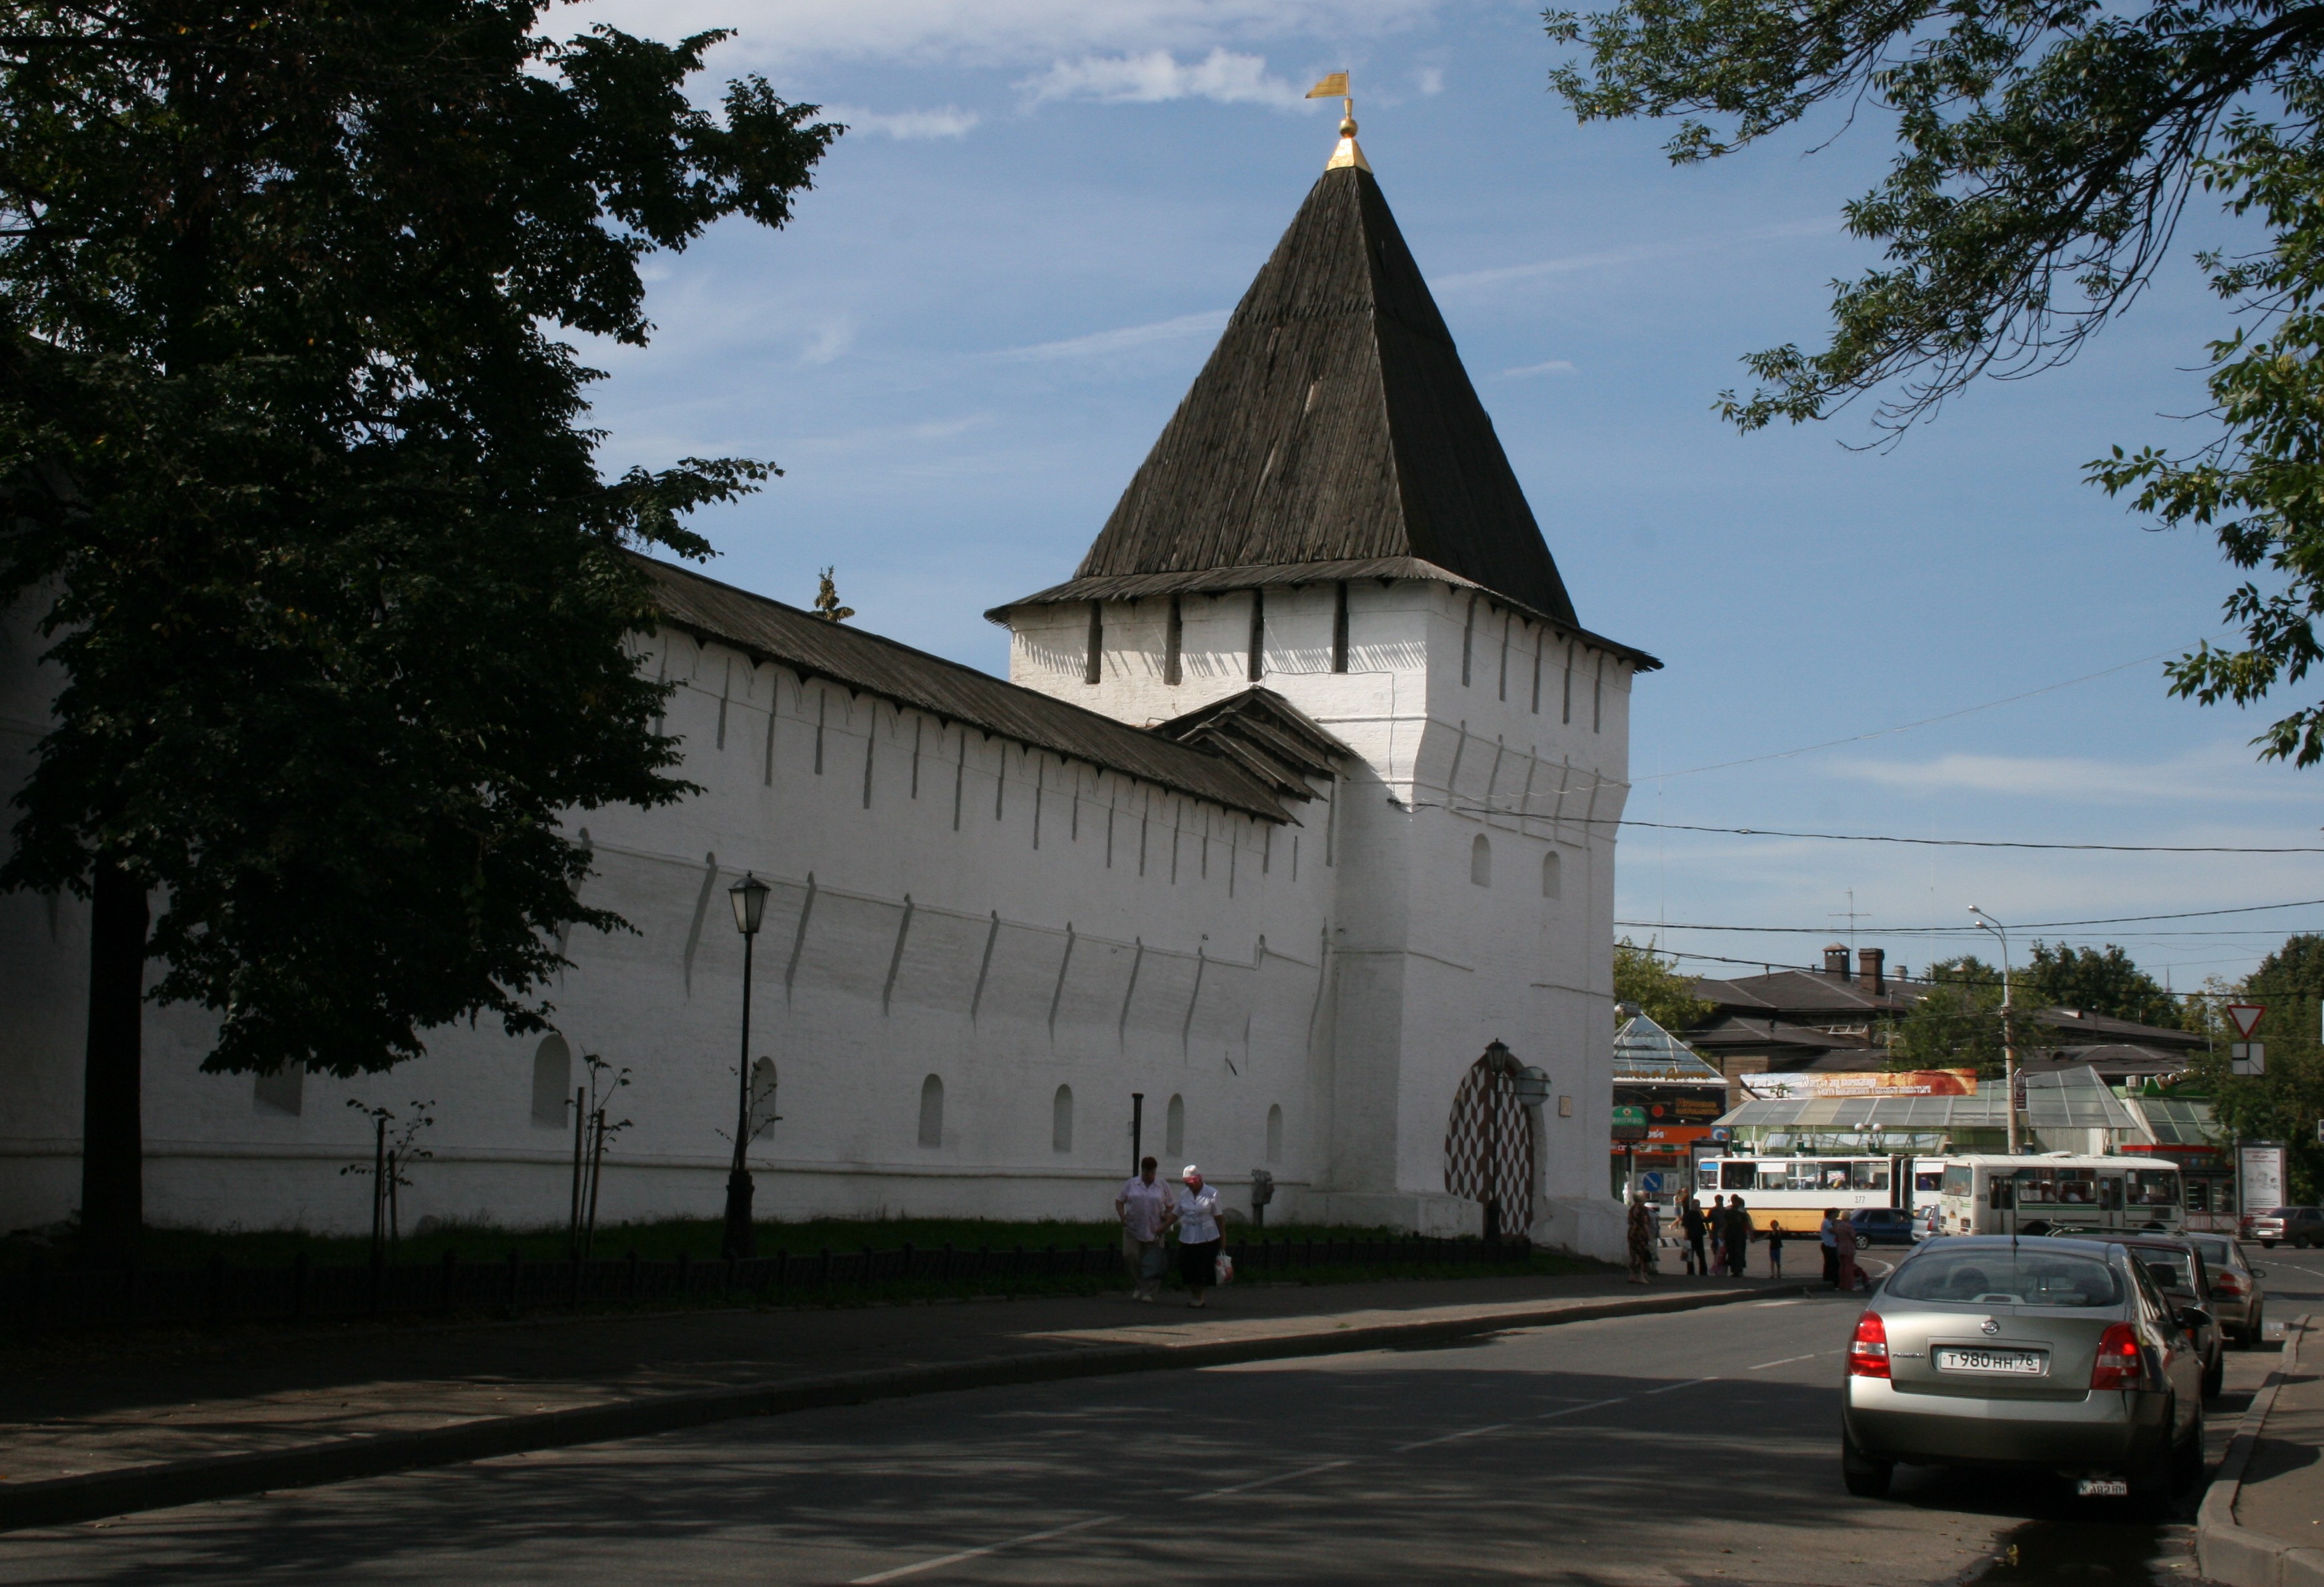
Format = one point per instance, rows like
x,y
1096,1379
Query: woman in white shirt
x,y
1196,1219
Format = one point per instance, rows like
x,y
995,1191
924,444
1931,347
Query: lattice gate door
x,y
1489,1143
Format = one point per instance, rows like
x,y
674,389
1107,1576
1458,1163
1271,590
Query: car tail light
x,y
1868,1353
2229,1283
2119,1364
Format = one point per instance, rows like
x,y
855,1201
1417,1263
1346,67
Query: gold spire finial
x,y
1347,153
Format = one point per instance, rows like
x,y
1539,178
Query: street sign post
x,y
2245,1017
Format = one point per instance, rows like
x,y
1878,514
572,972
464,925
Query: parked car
x,y
2297,1227
1885,1226
2179,1269
2058,1354
2237,1298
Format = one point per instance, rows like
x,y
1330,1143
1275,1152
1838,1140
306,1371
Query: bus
x,y
1794,1190
2058,1193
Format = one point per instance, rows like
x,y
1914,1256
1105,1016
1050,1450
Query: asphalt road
x,y
1687,1449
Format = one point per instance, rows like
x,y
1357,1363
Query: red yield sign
x,y
2245,1017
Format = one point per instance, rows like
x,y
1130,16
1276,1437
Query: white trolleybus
x,y
2054,1193
1794,1190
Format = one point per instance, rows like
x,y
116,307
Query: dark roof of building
x,y
2106,1057
1332,434
1737,1033
1805,995
1251,763
2074,1024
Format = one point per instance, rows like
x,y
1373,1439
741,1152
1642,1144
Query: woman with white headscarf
x,y
1196,1219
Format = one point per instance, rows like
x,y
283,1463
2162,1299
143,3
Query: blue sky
x,y
1013,265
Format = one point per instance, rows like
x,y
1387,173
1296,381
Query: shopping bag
x,y
1225,1272
1155,1262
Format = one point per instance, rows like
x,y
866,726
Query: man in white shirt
x,y
1142,1206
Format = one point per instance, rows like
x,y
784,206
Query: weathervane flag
x,y
1335,87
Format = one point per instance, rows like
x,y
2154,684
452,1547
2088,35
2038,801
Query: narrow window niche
x,y
1553,875
1258,668
1480,861
1093,665
931,1112
1061,1119
1274,1133
1174,1133
1468,641
552,1081
1340,627
1174,644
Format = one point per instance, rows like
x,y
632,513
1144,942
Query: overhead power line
x,y
1959,930
1978,842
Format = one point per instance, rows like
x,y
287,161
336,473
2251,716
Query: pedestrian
x,y
1691,1221
1776,1249
1196,1219
1830,1237
1644,1233
1844,1245
1739,1239
1717,1236
1143,1206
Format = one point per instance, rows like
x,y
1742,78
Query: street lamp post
x,y
2008,1043
749,897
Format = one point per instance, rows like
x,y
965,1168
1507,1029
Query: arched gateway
x,y
1488,1144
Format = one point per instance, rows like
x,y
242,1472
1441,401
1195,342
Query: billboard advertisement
x,y
2259,1168
1875,1083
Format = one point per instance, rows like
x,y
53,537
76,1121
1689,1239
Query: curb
x,y
92,1496
2234,1555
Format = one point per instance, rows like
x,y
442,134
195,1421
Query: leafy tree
x,y
2045,156
1958,1023
2284,1103
1643,977
2096,983
298,484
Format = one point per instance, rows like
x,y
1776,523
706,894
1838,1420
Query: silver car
x,y
2237,1298
2053,1353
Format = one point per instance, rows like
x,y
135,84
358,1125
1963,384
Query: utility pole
x,y
2008,1043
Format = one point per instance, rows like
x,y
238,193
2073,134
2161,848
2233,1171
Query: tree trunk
x,y
113,1150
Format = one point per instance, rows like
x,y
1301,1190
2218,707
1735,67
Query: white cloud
x,y
1430,78
1573,264
989,32
1157,75
2223,773
833,338
1547,366
1099,343
950,122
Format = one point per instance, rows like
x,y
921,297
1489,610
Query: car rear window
x,y
2168,1271
2215,1251
1996,1277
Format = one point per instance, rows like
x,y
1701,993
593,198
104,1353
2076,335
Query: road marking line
x,y
1788,1360
1448,1437
1666,1388
900,1571
1761,1305
1576,1409
1267,1481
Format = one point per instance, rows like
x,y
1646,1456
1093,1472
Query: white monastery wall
x,y
993,916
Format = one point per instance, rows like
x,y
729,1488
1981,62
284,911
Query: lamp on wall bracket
x,y
749,897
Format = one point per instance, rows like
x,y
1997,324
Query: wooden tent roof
x,y
1332,428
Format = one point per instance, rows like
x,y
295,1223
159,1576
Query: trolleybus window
x,y
1867,1175
2109,1193
1958,1178
2077,1187
2036,1187
1739,1176
2154,1187
1774,1177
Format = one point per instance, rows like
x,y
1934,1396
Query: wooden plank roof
x,y
1333,424
1186,762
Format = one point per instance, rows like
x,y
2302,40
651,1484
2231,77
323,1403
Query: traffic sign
x,y
2245,1017
2247,1057
1629,1124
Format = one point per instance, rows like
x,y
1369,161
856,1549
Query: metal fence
x,y
38,1298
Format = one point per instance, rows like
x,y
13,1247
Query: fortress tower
x,y
1330,517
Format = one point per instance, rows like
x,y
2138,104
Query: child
x,y
1776,1249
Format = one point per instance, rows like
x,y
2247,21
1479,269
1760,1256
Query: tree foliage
x,y
298,463
2095,982
1654,983
2284,1103
1958,1023
2045,156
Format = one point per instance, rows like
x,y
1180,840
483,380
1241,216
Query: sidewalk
x,y
2263,1522
105,1426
